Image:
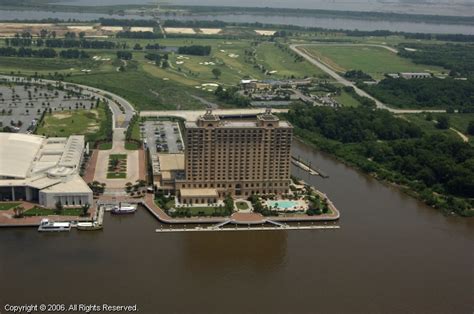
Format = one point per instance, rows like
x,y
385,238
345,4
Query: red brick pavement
x,y
90,171
141,165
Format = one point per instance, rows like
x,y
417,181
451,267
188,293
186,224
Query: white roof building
x,y
42,170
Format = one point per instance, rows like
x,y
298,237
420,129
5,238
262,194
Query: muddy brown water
x,y
391,255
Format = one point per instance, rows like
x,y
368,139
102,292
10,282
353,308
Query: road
x,y
303,53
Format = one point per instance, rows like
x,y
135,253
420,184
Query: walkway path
x,y
299,49
118,147
462,136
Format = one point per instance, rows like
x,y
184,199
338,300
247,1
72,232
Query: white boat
x,y
123,209
88,226
52,226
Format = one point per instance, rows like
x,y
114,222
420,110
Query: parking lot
x,y
162,137
21,107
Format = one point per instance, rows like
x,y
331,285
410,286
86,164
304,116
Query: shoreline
x,y
405,189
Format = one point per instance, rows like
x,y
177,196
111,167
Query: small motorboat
x,y
51,226
123,209
88,226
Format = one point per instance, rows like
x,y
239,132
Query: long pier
x,y
307,167
248,228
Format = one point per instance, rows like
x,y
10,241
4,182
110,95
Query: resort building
x,y
168,169
235,157
42,170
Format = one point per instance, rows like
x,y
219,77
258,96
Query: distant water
x,y
331,23
435,7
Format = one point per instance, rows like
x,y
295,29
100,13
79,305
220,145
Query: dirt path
x,y
461,135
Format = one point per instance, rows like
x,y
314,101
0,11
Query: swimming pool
x,y
283,204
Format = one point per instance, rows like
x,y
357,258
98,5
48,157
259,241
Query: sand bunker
x,y
112,28
141,29
264,32
80,28
210,31
179,30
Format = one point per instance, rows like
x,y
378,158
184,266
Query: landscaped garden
x,y
117,168
40,211
169,206
8,206
242,205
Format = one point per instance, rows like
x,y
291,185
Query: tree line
x,y
437,168
424,93
458,58
195,50
231,96
23,52
126,22
63,43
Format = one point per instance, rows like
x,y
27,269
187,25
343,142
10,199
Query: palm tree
x,y
85,209
19,210
59,207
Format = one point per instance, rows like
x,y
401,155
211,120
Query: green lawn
x,y
375,61
118,156
276,59
429,126
91,123
347,100
8,206
38,211
143,90
230,58
242,205
132,146
105,146
116,175
203,211
50,65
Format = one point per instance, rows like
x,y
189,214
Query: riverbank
x,y
404,188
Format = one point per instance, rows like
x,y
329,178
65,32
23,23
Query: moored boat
x,y
88,226
51,226
123,209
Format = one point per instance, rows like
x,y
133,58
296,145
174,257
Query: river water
x,y
305,21
391,255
